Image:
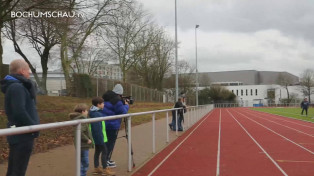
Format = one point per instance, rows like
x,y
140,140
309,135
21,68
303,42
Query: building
x,y
256,87
246,77
56,81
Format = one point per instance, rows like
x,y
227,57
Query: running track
x,y
238,141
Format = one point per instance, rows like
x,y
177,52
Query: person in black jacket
x,y
20,108
180,116
305,106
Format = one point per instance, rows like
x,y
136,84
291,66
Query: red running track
x,y
238,141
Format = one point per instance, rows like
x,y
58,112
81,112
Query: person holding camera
x,y
114,105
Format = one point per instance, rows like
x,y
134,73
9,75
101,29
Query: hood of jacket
x,y
15,78
76,115
94,108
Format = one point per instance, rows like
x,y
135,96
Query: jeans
x,y
18,157
303,110
100,150
84,162
173,123
112,137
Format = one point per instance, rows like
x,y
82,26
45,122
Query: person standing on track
x,y
20,108
305,105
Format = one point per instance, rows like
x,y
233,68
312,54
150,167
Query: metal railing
x,y
194,114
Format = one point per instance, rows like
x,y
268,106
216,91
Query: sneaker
x,y
108,171
97,171
170,126
111,164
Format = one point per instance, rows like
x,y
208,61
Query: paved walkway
x,y
61,161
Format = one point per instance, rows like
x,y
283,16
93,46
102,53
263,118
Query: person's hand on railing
x,y
89,141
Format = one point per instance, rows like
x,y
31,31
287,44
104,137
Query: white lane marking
x,y
280,124
279,134
218,152
154,170
281,118
264,151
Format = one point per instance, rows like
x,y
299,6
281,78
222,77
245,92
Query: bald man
x,y
20,108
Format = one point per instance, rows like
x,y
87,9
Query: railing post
x,y
154,140
167,127
176,122
188,114
130,164
78,149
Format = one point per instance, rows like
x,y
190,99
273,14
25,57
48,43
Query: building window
x,y
241,92
246,92
232,91
252,92
255,91
237,92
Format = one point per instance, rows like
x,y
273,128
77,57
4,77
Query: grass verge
x,y
289,112
56,109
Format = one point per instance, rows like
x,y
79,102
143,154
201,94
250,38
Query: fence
x,y
194,114
101,85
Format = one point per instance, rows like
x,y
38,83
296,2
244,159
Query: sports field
x,y
289,112
238,141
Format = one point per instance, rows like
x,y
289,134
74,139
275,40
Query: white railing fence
x,y
193,115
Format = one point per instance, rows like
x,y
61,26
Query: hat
x,y
118,89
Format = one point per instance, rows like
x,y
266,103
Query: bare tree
x,y
204,80
8,6
74,32
285,81
307,82
127,23
154,54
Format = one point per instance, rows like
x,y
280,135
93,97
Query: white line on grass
x,y
218,152
274,162
154,170
281,125
278,134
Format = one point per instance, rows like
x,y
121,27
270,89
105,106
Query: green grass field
x,y
289,112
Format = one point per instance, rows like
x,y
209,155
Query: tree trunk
x,y
65,62
288,94
44,65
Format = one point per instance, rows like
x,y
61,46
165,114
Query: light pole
x,y
176,54
196,74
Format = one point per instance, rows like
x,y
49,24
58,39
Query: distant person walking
x,y
20,108
305,106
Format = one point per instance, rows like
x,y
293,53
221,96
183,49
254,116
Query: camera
x,y
128,99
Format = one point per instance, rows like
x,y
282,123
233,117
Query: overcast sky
x,y
264,35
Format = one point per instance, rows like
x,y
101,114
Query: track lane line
x,y
218,151
306,149
155,169
280,117
264,151
302,132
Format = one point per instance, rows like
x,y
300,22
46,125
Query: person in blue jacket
x,y
20,108
305,106
99,137
114,105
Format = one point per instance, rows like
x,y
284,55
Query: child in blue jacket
x,y
99,137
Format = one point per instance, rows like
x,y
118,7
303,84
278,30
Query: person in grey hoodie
x,y
20,108
81,112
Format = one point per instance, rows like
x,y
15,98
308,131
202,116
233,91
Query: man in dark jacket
x,y
114,105
180,116
305,106
20,108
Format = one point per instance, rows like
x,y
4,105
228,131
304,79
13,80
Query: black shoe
x,y
170,126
